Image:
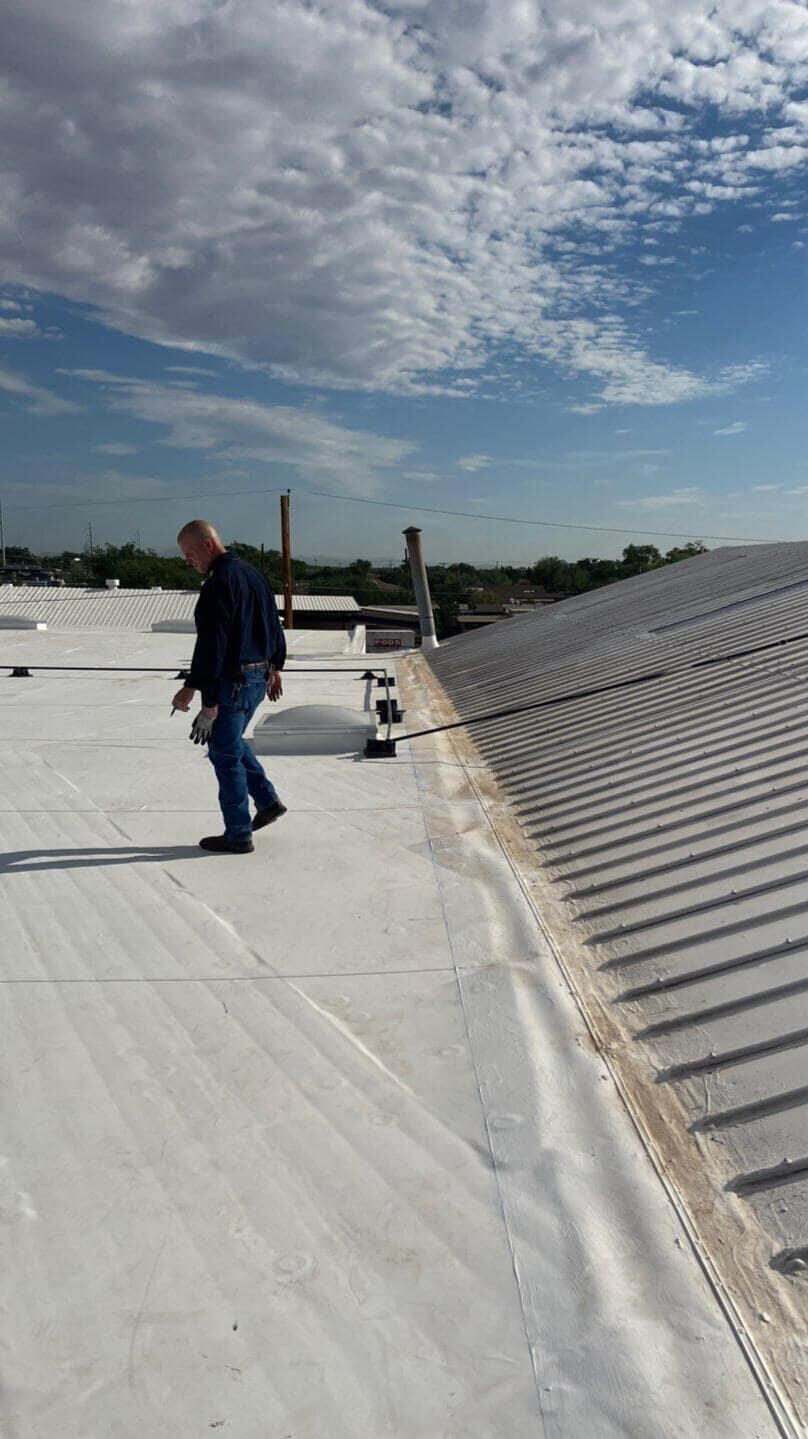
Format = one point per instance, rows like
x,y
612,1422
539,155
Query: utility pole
x,y
2,538
90,539
286,551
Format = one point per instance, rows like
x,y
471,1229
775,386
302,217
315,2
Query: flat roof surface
x,y
310,1142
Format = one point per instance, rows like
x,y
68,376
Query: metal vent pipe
x,y
420,583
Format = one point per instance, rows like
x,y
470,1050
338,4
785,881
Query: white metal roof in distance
x,y
65,608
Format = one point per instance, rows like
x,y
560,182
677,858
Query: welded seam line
x,y
484,1115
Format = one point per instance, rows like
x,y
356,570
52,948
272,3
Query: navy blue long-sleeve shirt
x,y
236,623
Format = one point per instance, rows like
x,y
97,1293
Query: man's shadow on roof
x,y
39,861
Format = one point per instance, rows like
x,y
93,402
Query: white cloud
x,y
375,197
236,430
600,456
690,496
37,400
191,370
777,157
16,329
736,428
628,375
474,462
115,449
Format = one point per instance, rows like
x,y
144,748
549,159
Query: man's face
x,y
198,554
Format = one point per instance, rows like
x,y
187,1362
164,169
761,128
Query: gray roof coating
x,y
669,815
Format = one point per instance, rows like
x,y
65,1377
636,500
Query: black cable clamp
x,y
380,749
385,712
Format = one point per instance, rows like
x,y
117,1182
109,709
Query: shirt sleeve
x,y
213,619
277,656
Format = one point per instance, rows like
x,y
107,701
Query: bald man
x,y
239,654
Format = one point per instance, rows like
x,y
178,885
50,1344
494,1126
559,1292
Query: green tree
x,y
685,552
639,558
553,574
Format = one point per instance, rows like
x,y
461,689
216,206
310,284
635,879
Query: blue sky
x,y
543,262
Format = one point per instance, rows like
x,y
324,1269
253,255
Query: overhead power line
x,y
523,520
393,505
144,500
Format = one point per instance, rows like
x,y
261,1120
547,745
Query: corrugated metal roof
x,y
323,604
409,610
73,608
670,814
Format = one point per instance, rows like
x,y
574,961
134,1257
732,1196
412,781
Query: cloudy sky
x,y
489,256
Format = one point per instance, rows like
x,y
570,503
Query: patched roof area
x,y
659,779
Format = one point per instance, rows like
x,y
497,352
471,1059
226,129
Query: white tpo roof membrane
x,y
310,1142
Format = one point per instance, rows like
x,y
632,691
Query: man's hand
x,y
274,686
203,724
183,697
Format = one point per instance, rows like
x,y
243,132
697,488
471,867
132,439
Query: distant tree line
x,y
462,584
451,585
573,577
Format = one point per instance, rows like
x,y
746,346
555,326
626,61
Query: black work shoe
x,y
220,844
268,816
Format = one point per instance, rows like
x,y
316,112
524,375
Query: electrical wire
x,y
554,700
545,524
392,505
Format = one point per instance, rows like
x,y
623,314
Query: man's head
x,y
199,544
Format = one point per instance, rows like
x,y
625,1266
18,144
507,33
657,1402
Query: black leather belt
x,y
233,678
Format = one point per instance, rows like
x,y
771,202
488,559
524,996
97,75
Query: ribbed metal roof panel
x,y
670,812
73,608
321,604
131,609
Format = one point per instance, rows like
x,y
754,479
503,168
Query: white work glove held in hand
x,y
201,728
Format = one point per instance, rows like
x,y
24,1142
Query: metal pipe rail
x,y
380,672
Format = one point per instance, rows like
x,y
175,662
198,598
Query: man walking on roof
x,y
238,657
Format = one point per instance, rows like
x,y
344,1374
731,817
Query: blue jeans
x,y
239,774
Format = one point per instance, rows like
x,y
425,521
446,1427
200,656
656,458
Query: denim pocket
x,y
230,695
